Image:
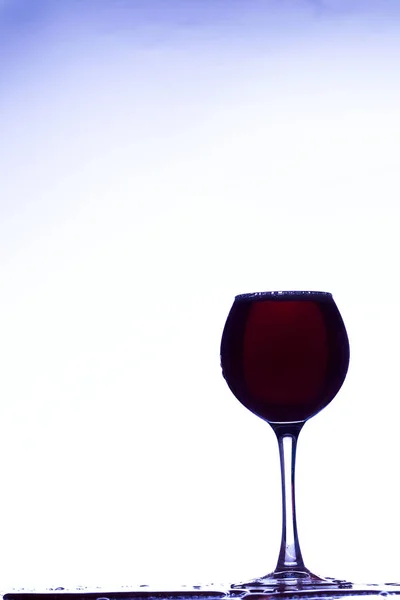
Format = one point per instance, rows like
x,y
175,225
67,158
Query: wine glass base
x,y
286,581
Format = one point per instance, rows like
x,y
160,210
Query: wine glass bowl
x,y
284,355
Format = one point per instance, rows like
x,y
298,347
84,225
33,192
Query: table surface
x,y
204,592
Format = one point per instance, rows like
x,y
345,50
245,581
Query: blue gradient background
x,y
156,158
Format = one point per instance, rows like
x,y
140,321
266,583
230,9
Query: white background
x,y
155,160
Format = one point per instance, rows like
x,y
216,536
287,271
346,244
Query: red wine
x,y
284,355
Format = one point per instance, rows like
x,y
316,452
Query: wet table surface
x,y
204,592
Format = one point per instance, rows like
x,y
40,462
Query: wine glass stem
x,y
290,558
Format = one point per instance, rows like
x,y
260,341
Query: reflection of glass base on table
x,y
291,589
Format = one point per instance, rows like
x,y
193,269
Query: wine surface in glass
x,y
284,355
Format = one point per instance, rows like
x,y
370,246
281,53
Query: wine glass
x,y
285,356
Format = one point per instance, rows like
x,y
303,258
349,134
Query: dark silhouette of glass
x,y
285,356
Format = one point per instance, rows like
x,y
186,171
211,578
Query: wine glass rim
x,y
284,295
